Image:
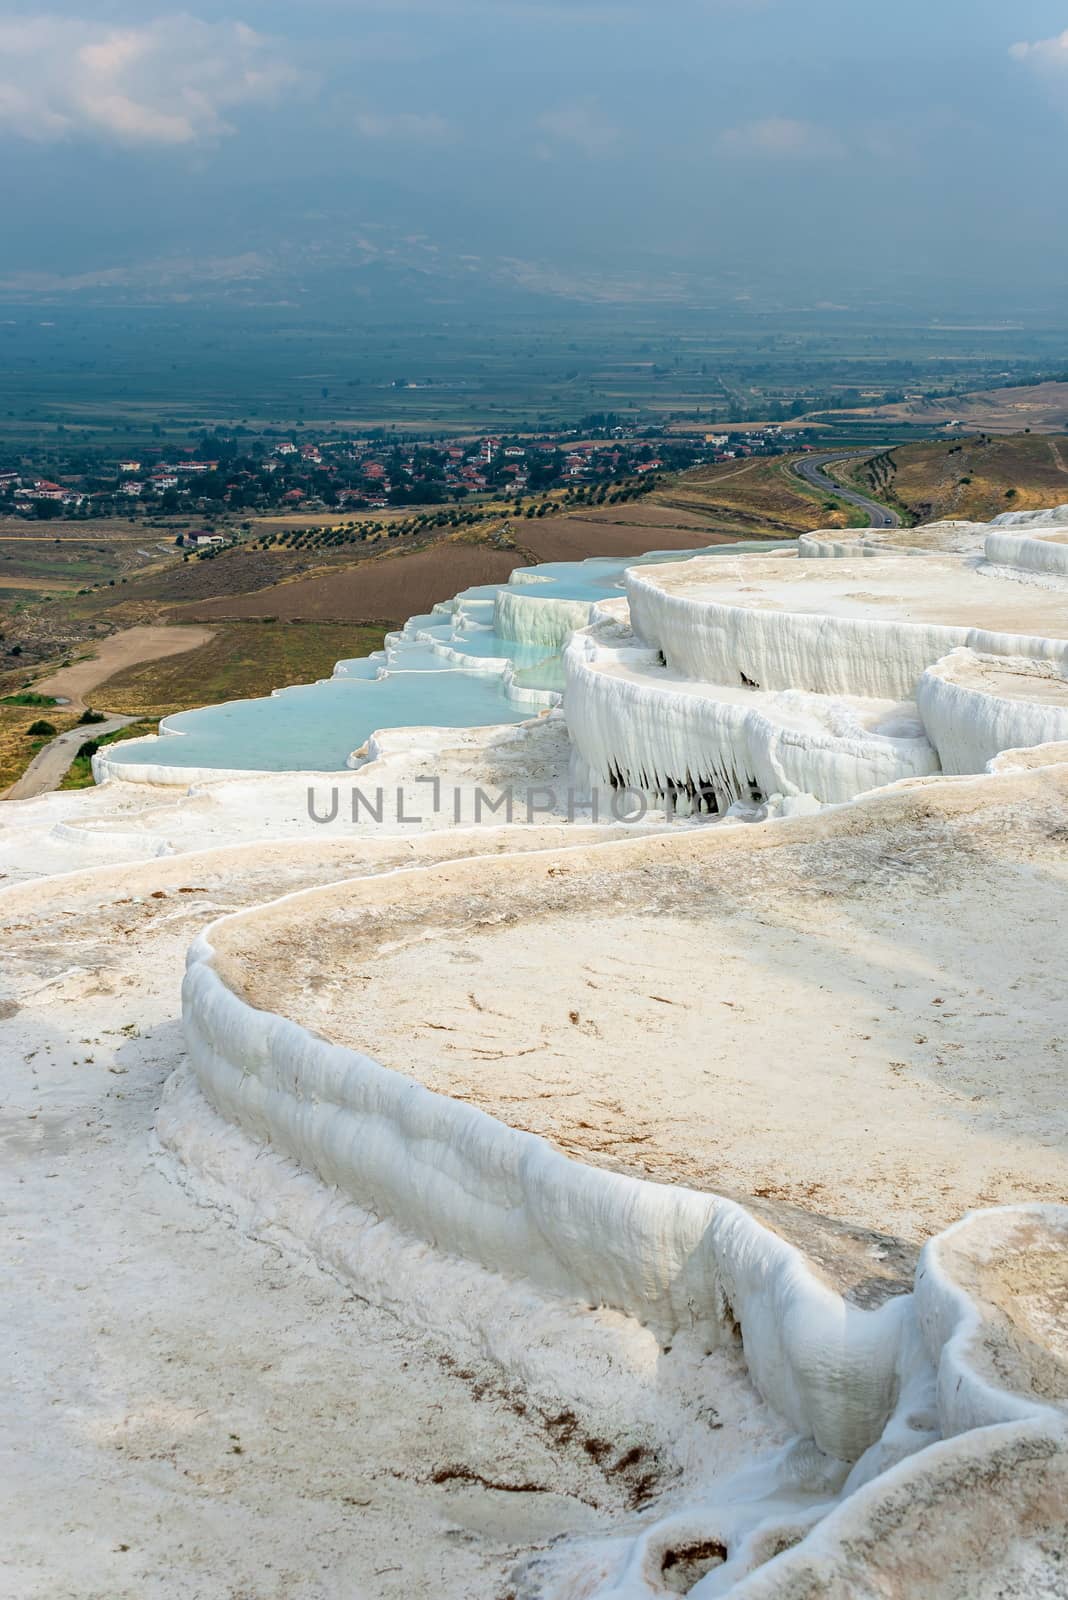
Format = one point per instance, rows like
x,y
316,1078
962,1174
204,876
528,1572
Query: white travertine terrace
x,y
521,615
634,719
734,681
952,537
955,537
682,1127
975,706
763,677
836,627
386,1099
1043,551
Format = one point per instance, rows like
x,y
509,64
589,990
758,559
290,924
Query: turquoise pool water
x,y
449,668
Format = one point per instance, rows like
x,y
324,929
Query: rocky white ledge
x,y
841,627
975,706
951,537
954,537
636,722
763,679
1043,551
951,1397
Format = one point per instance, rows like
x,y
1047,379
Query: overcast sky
x,y
923,139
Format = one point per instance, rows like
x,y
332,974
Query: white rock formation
x,y
750,679
637,722
975,706
925,1404
701,1214
952,537
833,628
1043,551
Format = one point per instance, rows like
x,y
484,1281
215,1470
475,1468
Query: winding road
x,y
810,469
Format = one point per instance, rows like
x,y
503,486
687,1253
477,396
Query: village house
x,y
42,489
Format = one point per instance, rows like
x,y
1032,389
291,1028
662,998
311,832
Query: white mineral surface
x,y
568,1210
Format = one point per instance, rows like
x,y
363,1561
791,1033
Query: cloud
x,y
168,81
403,126
1044,55
780,138
581,127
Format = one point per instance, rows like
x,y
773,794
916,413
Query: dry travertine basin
x,y
859,1019
948,538
1033,682
940,591
1016,1267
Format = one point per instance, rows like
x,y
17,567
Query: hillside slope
x,y
974,478
756,499
1010,410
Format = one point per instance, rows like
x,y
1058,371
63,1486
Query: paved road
x,y
811,469
49,766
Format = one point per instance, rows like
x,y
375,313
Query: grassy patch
x,y
756,499
244,659
28,698
80,774
974,478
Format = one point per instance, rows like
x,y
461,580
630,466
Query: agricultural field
x,y
383,590
1040,407
58,557
573,534
122,378
697,510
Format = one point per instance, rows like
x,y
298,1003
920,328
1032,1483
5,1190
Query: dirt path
x,y
1054,450
49,766
151,642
